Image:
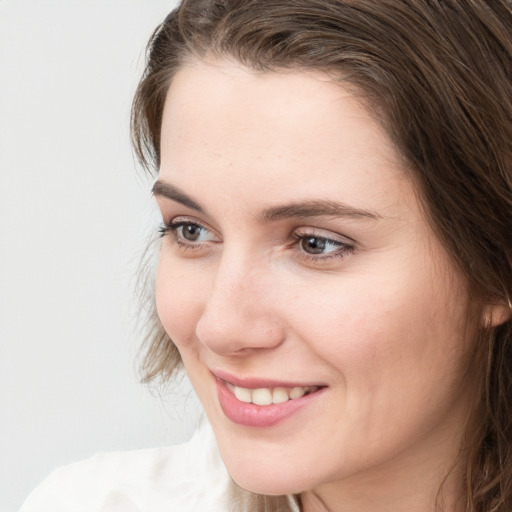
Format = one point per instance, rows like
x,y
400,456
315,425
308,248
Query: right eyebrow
x,y
163,189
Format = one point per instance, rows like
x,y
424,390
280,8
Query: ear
x,y
498,313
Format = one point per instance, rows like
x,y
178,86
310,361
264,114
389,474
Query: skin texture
x,y
379,321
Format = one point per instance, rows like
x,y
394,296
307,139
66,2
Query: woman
x,y
335,270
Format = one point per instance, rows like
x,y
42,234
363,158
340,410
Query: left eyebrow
x,y
307,208
315,208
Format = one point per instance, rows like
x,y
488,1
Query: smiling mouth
x,y
267,396
263,403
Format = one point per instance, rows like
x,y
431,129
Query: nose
x,y
240,314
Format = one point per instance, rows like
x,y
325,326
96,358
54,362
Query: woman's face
x,y
297,261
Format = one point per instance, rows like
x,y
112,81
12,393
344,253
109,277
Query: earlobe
x,y
497,314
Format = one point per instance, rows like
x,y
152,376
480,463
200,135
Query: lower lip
x,y
252,415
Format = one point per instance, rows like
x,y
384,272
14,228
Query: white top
x,y
190,477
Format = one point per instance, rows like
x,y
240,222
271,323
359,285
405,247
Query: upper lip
x,y
257,382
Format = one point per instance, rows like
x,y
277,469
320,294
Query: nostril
x,y
238,333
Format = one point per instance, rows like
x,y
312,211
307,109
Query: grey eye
x,y
191,232
313,245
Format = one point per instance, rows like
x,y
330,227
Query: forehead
x,y
227,122
227,96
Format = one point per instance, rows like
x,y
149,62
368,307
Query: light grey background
x,y
74,215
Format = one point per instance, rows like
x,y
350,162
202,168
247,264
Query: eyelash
x,y
343,250
173,228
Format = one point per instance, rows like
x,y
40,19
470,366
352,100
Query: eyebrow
x,y
162,189
316,208
308,208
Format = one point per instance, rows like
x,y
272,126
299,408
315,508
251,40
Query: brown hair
x,y
438,75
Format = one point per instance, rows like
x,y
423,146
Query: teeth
x,y
297,393
262,396
244,395
279,395
267,396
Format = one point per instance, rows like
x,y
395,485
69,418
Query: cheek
x,y
178,299
386,338
396,359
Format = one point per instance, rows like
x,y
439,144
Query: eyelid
x,y
172,226
345,246
323,233
184,219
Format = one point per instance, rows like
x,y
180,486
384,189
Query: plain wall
x,y
74,216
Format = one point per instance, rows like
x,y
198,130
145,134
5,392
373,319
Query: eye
x,y
192,232
318,248
188,233
318,245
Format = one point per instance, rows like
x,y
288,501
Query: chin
x,y
259,483
272,477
